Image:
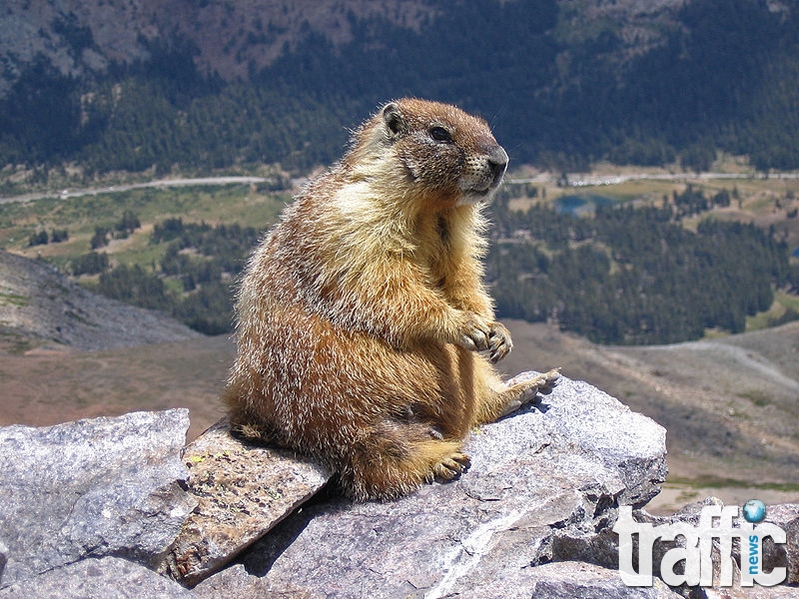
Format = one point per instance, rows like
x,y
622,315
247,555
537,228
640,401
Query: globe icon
x,y
754,511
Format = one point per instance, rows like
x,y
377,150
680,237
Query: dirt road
x,y
65,194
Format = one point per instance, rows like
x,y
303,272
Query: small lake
x,y
579,204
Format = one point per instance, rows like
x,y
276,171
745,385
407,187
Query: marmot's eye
x,y
440,134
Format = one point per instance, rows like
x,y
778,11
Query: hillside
x,y
135,84
230,39
234,40
40,306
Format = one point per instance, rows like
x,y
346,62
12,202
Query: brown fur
x,y
360,315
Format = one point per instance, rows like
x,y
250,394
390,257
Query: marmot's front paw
x,y
474,332
499,342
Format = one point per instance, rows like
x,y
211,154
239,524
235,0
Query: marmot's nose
x,y
498,162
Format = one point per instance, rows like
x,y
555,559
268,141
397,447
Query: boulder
x,y
541,480
609,430
92,488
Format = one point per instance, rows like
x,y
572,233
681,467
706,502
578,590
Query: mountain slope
x,y
235,39
40,304
136,83
80,37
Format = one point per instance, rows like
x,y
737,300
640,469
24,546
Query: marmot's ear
x,y
392,117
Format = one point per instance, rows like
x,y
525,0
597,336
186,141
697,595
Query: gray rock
x,y
786,516
559,580
608,429
554,472
91,488
105,578
242,491
236,582
756,592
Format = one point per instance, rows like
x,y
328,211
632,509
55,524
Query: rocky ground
x,y
117,507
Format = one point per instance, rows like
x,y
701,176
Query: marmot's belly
x,y
322,381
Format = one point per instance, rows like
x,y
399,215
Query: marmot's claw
x,y
435,433
479,339
499,342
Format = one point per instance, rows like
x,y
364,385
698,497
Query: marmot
x,y
361,314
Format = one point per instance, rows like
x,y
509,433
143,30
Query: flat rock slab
x,y
106,486
540,479
242,492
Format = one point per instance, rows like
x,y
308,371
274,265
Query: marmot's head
x,y
445,154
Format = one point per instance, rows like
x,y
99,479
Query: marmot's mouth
x,y
483,186
475,195
486,175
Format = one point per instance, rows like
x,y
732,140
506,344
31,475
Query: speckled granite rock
x,y
104,578
242,492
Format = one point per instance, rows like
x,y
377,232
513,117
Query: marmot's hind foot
x,y
451,467
251,432
401,466
525,392
544,383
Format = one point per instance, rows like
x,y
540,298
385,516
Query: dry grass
x,y
44,387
